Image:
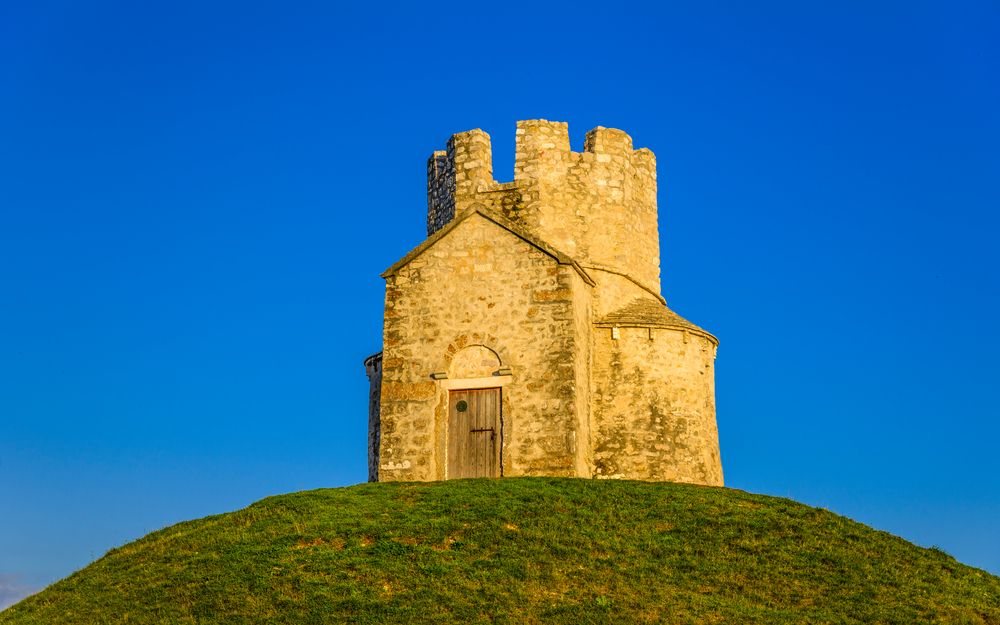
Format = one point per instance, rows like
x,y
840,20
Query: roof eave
x,y
662,326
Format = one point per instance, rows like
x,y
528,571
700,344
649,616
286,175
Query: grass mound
x,y
531,550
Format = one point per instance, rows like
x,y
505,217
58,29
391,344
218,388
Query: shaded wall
x,y
373,368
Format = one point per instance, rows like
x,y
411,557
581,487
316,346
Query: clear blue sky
x,y
196,201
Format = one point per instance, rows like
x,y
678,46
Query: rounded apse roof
x,y
648,313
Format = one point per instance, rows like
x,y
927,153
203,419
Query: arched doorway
x,y
475,422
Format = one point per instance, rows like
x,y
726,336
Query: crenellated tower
x,y
598,206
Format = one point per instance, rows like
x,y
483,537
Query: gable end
x,y
495,218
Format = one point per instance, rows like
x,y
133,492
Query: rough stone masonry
x,y
545,291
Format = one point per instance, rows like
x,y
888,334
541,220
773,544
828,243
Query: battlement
x,y
598,206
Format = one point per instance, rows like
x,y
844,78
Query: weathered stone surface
x,y
548,287
654,405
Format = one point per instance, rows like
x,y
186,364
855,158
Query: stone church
x,y
527,334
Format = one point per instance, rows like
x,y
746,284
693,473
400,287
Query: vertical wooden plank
x,y
483,425
452,435
468,421
477,437
463,439
496,426
484,418
466,449
484,440
467,425
458,434
484,421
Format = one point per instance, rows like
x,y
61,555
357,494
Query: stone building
x,y
527,334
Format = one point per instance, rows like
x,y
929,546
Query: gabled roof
x,y
648,313
496,218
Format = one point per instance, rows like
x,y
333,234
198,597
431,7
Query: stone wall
x,y
482,285
654,405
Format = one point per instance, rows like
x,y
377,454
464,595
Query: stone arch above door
x,y
474,361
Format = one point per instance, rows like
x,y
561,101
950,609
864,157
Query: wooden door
x,y
474,433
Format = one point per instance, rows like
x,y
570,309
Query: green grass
x,y
526,550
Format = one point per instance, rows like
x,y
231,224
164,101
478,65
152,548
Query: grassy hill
x,y
520,551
